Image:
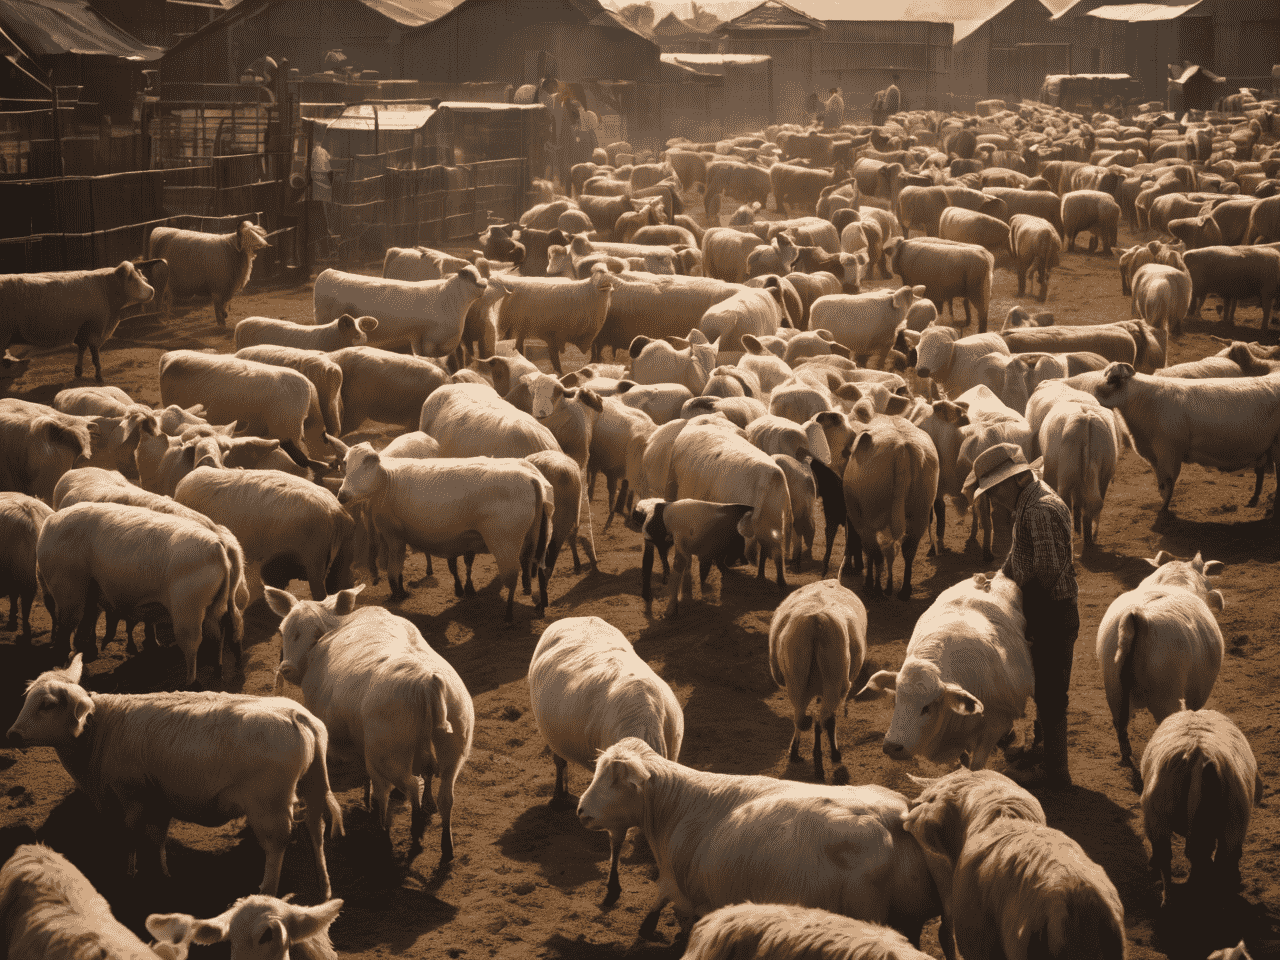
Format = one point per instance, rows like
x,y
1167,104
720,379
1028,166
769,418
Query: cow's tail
x,y
437,712
1129,631
1196,784
544,509
313,785
238,594
220,606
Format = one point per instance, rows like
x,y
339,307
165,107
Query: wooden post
x,y
57,129
306,210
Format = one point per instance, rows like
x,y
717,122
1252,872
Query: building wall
x,y
794,77
862,56
499,40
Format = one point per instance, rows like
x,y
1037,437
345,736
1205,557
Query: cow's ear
x,y
344,601
280,601
81,707
878,684
961,701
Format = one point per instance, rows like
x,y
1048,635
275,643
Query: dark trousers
x,y
1052,628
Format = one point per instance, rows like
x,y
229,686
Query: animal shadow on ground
x,y
1249,541
203,880
560,947
1194,923
567,854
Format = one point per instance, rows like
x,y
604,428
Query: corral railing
x,y
375,204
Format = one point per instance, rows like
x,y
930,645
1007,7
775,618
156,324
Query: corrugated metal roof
x,y
360,116
412,13
50,27
1142,12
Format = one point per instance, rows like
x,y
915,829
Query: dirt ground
x,y
528,881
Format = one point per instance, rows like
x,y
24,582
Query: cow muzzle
x,y
895,750
15,739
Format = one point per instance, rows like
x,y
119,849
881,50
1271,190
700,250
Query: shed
x,y
434,132
1195,88
370,33
1236,39
161,22
81,49
736,91
786,33
588,42
863,56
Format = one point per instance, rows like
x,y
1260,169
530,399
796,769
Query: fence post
x,y
306,209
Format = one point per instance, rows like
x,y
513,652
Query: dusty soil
x,y
528,881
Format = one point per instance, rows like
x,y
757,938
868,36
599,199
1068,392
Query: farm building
x,y
425,40
674,35
863,56
81,49
1235,39
1005,48
779,30
586,40
370,33
161,22
712,95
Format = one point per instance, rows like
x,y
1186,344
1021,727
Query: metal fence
x,y
376,205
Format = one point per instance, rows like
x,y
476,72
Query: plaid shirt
x,y
1041,550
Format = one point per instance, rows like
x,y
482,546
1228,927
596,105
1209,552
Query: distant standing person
x,y
887,102
833,110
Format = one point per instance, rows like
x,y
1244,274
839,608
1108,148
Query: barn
x,y
863,56
1005,48
586,40
370,33
1235,39
786,33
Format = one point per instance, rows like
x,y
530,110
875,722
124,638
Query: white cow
x,y
389,699
589,690
721,839
817,642
966,677
1159,644
1012,887
202,758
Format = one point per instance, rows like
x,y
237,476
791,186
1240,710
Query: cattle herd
x,y
760,383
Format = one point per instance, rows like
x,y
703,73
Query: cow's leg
x,y
802,722
818,771
457,581
829,724
909,548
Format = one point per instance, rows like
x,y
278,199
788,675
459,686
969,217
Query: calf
x,y
196,757
589,690
129,557
714,532
966,677
1230,424
721,839
257,926
50,910
774,931
21,519
1011,886
890,481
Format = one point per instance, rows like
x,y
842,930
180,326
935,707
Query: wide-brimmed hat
x,y
994,465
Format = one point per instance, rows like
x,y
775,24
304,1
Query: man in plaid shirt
x,y
1040,563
